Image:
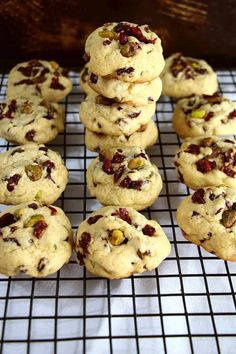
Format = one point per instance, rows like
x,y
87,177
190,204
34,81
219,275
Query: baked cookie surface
x,y
208,219
144,138
30,172
209,161
103,115
42,78
205,115
124,177
84,80
184,76
25,120
35,240
122,50
117,242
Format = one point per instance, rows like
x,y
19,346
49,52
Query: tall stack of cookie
x,y
122,81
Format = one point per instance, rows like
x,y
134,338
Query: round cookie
x,y
184,76
103,115
145,137
124,177
31,172
208,219
26,120
35,240
204,116
117,242
125,51
210,161
42,78
84,80
135,94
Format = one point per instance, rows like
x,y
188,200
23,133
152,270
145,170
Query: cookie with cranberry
x,y
136,94
42,78
184,76
116,242
145,137
208,219
84,80
210,161
204,116
104,115
27,120
125,51
30,172
35,240
124,177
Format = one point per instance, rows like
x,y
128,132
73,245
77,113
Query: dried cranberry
x,y
48,116
93,219
11,239
209,116
7,219
193,149
33,206
136,185
105,101
134,114
49,165
123,39
228,171
56,85
205,165
195,213
106,42
93,78
119,27
198,197
24,82
30,135
123,214
13,229
118,173
80,258
53,210
125,183
107,167
149,230
42,264
12,182
84,242
122,71
144,156
232,114
39,228
118,158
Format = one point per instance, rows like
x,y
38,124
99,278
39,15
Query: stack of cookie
x,y
122,81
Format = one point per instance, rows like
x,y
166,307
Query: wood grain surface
x,y
57,29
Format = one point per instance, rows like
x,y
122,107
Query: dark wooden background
x,y
57,29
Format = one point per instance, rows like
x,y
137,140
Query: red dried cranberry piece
x,y
106,42
107,167
149,230
118,158
209,116
198,197
39,228
7,219
53,210
93,219
93,78
228,171
30,135
123,39
232,114
42,264
125,183
13,229
49,165
24,82
12,182
136,185
33,206
122,71
48,116
105,101
80,258
118,173
123,214
120,27
56,85
193,149
205,165
84,242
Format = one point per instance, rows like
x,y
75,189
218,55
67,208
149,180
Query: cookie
x,y
42,78
103,115
135,94
208,219
35,240
31,172
125,51
25,120
205,115
210,161
145,137
184,76
124,177
117,242
84,80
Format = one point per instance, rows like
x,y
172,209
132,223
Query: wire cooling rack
x,y
187,305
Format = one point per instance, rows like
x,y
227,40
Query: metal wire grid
x,y
187,305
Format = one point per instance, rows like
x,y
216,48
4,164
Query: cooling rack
x,y
187,305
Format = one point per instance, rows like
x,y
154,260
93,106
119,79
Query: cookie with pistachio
x,y
210,161
42,78
124,177
205,115
35,240
208,219
116,242
31,172
184,76
27,120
